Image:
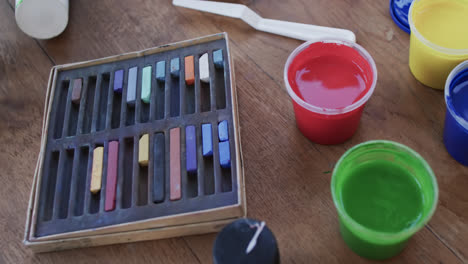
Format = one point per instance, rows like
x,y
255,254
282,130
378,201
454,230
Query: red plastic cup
x,y
330,125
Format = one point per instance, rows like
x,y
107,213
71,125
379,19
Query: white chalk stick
x,y
204,69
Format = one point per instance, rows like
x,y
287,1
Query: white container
x,y
42,19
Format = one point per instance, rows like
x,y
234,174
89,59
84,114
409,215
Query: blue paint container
x,y
399,11
456,118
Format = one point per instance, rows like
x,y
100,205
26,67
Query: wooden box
x,y
64,214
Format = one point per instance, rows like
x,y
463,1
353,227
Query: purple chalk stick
x,y
224,155
191,149
118,81
223,132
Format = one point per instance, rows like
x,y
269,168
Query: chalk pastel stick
x,y
118,81
111,178
223,133
191,149
224,155
207,140
174,154
131,86
218,59
96,173
204,68
76,91
189,70
146,84
143,150
159,170
161,71
175,67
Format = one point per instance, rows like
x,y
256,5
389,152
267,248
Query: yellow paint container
x,y
439,39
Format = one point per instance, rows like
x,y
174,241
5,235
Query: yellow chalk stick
x,y
143,150
96,174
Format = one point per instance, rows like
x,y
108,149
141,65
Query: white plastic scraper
x,y
289,29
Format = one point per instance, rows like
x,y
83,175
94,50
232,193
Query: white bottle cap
x,y
42,19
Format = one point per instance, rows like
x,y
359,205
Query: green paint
x,y
382,196
384,192
146,84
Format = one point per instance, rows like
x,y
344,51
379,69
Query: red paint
x,y
111,180
329,76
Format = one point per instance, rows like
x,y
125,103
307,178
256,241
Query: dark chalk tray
x,y
85,112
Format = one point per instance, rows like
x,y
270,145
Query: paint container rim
x,y
447,94
323,110
420,37
402,25
379,236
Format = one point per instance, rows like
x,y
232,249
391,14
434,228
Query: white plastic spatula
x,y
289,29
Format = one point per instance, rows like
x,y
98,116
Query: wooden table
x,y
287,176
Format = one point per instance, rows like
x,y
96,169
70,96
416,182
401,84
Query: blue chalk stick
x,y
161,71
175,67
191,149
118,81
131,87
224,155
218,59
207,139
223,133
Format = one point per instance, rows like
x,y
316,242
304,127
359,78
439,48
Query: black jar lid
x,y
245,241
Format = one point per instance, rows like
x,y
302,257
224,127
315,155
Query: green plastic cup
x,y
384,193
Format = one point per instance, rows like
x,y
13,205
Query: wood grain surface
x,y
287,176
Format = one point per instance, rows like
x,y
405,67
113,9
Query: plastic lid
x,y
458,76
399,11
245,241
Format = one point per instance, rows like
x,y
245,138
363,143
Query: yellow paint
x,y
443,25
96,174
143,150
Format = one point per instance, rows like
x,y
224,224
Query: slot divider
x,y
184,186
84,93
167,172
120,175
157,125
123,108
197,85
136,168
200,160
138,102
218,177
227,81
182,88
97,98
58,184
212,80
110,101
167,91
154,85
150,169
67,110
74,179
102,197
87,193
232,152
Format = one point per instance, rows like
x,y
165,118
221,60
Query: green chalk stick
x,y
146,84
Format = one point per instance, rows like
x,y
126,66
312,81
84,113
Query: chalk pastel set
x,y
138,146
